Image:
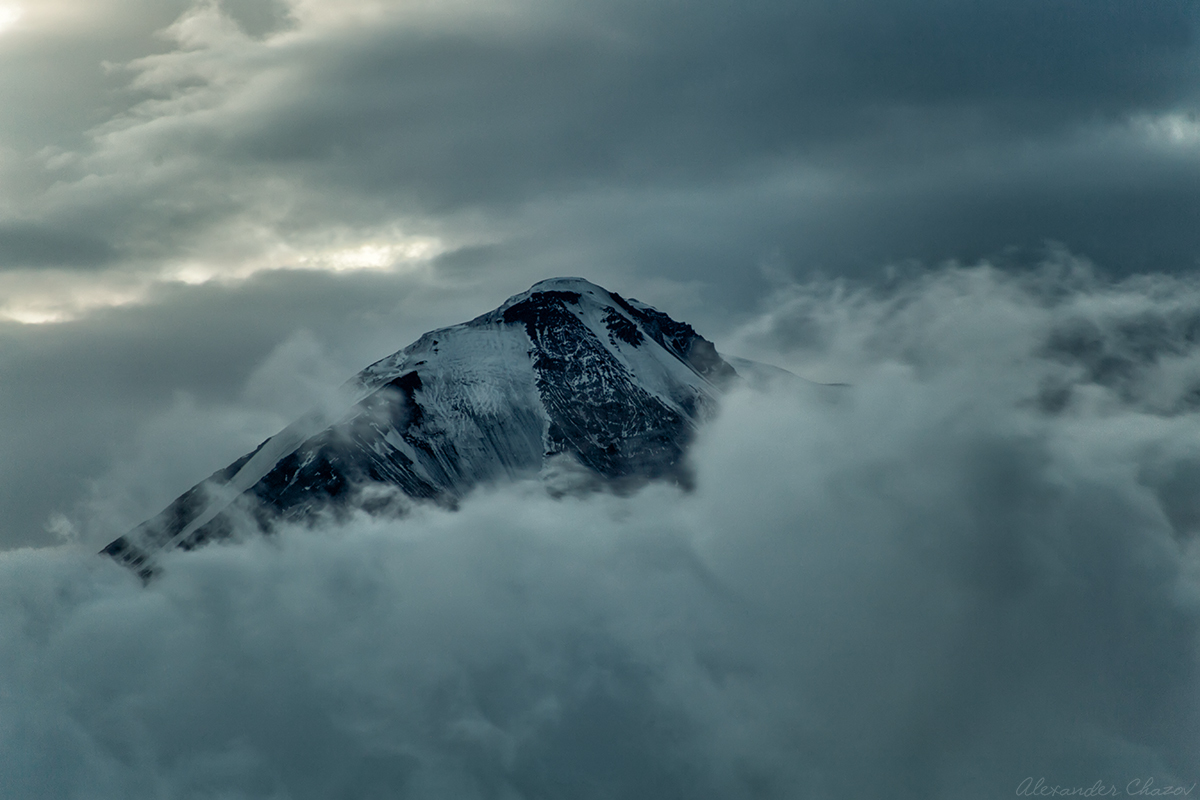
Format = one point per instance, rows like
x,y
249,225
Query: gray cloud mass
x,y
931,584
986,126
974,566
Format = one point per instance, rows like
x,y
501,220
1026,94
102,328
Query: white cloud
x,y
48,296
1178,129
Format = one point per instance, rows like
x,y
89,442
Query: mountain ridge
x,y
563,369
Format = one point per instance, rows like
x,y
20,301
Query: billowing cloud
x,y
975,565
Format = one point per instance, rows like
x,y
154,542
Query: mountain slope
x,y
563,370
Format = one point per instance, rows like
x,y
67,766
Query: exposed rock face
x,y
565,369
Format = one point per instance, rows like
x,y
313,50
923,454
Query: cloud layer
x,y
639,139
975,565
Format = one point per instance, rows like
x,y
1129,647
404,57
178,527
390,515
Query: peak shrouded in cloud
x,y
976,564
565,371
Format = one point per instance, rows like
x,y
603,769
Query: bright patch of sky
x,y
1175,129
10,14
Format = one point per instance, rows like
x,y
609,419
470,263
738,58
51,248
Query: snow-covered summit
x,y
564,370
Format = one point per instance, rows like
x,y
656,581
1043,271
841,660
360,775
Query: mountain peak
x,y
563,284
565,369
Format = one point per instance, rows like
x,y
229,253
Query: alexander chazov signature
x,y
1135,788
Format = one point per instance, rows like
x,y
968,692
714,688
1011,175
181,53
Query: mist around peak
x,y
975,565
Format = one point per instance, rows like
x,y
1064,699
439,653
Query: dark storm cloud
x,y
36,246
828,136
258,17
621,93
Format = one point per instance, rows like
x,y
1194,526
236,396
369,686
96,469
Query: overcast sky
x,y
189,190
980,564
